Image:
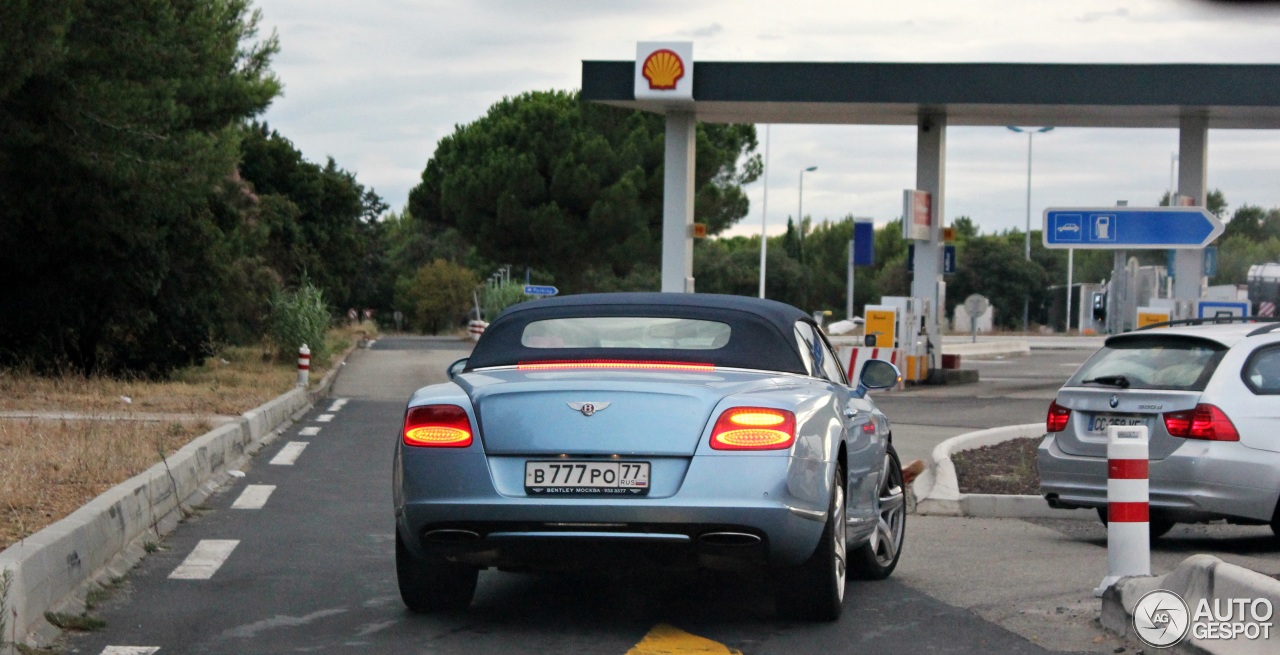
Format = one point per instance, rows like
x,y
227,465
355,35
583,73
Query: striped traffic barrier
x,y
476,328
1128,505
304,365
856,356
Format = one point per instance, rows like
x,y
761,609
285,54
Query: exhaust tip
x,y
729,539
451,536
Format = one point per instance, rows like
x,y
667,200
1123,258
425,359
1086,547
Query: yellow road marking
x,y
664,639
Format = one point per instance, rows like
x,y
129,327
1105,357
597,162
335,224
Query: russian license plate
x,y
586,477
1100,422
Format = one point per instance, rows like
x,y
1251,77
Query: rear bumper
x,y
1199,481
727,512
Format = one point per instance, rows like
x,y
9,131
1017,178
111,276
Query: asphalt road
x,y
312,569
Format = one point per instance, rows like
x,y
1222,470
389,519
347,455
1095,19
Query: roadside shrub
x,y
495,299
297,317
437,296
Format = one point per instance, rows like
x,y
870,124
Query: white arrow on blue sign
x,y
536,290
1130,228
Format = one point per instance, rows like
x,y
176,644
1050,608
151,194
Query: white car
x,y
1209,394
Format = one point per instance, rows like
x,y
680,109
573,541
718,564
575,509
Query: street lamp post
x,y
800,209
1030,132
800,229
764,211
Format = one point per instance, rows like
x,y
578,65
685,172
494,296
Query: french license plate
x,y
586,477
1100,422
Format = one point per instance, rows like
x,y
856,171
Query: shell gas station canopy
x,y
1229,96
1194,98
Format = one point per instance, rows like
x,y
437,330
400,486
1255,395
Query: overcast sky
x,y
376,84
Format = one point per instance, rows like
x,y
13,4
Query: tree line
x,y
145,216
148,215
572,192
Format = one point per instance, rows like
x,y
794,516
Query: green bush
x,y
297,317
495,299
437,296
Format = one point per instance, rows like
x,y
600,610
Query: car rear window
x,y
1152,362
629,332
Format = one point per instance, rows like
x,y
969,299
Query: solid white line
x,y
205,560
289,454
254,496
130,650
338,404
324,418
309,431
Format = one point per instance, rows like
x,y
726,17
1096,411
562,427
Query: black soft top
x,y
762,331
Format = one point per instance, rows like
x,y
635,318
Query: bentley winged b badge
x,y
588,409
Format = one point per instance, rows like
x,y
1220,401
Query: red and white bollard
x,y
304,365
1128,505
476,328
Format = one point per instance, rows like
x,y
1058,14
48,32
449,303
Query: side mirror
x,y
879,374
457,367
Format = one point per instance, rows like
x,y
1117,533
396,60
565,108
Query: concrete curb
x,y
984,349
1197,577
53,569
938,492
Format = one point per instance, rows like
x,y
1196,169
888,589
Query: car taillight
x,y
754,428
437,426
1204,422
1056,419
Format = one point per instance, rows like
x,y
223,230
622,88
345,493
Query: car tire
x,y
1275,522
814,591
878,557
1155,526
432,584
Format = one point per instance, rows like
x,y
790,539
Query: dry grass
x,y
231,383
49,467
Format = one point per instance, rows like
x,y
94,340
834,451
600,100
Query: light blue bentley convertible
x,y
646,429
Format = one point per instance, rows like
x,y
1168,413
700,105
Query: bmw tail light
x,y
437,426
1205,422
754,428
1056,419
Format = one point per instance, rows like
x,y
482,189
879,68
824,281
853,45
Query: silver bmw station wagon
x,y
1209,395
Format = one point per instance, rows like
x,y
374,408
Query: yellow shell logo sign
x,y
663,68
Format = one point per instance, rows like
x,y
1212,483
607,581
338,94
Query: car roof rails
x,y
1272,325
1273,322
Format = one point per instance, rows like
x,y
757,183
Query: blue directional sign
x,y
948,258
864,243
536,290
1130,228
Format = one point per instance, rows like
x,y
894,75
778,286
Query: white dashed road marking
x,y
337,404
130,650
205,560
289,454
254,496
309,431
324,418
